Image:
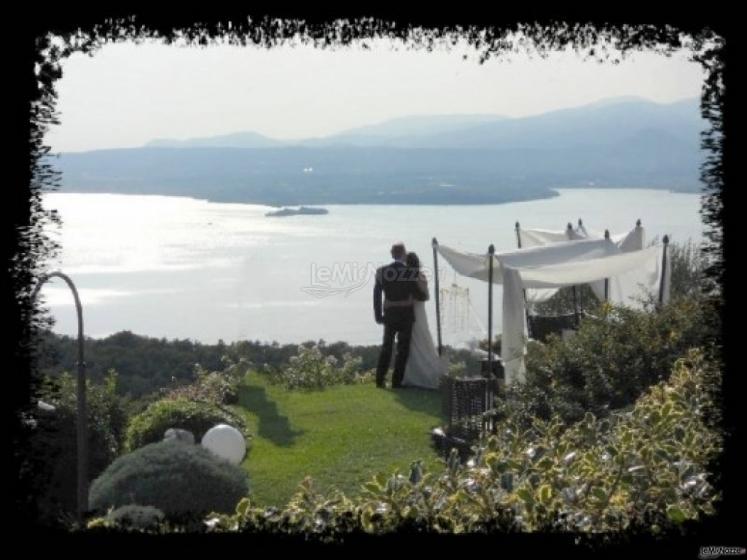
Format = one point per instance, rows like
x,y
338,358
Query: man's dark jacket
x,y
398,283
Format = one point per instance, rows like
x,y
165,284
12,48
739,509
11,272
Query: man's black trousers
x,y
402,329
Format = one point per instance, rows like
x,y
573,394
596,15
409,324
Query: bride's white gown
x,y
424,366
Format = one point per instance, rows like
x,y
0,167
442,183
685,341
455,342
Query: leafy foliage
x,y
217,387
144,364
611,359
148,367
496,347
688,269
197,417
135,517
644,469
310,369
563,301
177,478
51,465
457,370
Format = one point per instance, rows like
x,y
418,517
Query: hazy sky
x,y
127,94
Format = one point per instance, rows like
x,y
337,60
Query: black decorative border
x,y
35,66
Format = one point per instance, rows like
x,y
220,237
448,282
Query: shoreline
x,y
554,193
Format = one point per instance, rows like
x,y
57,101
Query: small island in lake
x,y
303,210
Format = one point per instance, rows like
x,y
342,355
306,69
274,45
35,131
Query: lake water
x,y
185,268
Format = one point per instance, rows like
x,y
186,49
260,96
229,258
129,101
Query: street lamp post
x,y
664,278
82,414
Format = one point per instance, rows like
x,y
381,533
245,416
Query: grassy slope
x,y
340,436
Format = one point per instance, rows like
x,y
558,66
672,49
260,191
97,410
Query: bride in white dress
x,y
424,366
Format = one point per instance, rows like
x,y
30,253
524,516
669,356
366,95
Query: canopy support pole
x,y
434,244
524,291
489,392
491,252
518,236
606,280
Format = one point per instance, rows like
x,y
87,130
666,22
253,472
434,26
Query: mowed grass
x,y
340,436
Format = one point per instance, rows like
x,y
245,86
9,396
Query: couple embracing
x,y
402,312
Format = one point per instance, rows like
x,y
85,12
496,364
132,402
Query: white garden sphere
x,y
226,442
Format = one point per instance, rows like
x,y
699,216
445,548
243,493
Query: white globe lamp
x,y
226,442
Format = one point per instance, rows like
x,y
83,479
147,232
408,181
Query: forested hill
x,y
420,160
146,364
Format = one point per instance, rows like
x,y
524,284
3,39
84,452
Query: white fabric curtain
x,y
472,265
536,237
617,289
475,265
630,273
557,253
582,271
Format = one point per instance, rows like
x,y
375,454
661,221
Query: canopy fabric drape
x,y
543,269
535,237
538,237
632,240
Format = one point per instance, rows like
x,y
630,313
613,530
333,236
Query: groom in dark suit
x,y
398,283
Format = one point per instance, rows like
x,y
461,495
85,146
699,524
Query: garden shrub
x,y
457,370
218,387
688,268
52,461
197,417
611,360
642,469
136,517
562,302
176,478
310,369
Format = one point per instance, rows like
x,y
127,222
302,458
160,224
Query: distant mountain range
x,y
381,134
235,140
624,142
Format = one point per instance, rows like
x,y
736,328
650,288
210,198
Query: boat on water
x,y
303,210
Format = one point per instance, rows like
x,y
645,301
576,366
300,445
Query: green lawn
x,y
340,436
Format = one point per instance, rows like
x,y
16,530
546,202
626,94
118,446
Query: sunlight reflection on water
x,y
186,268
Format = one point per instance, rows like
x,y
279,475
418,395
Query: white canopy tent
x,y
543,269
613,289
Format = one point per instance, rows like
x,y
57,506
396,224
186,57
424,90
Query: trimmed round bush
x,y
197,417
175,477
